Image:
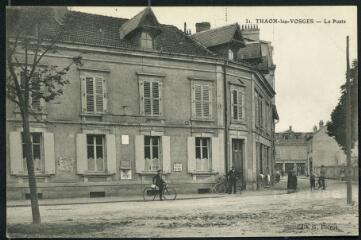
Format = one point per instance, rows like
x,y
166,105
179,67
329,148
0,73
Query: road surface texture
x,y
252,213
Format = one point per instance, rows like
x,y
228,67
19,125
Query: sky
x,y
310,58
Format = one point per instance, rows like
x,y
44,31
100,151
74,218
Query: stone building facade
x,y
148,96
291,151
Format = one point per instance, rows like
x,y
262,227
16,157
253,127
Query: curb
x,y
106,201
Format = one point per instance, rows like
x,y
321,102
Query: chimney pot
x,y
185,27
202,26
290,128
320,123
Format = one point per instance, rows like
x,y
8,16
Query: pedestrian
x,y
260,179
232,177
312,180
277,176
159,182
322,177
292,181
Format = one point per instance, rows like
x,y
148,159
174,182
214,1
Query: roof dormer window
x,y
230,54
146,41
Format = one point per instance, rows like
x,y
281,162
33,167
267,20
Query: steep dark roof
x,y
218,36
98,30
250,51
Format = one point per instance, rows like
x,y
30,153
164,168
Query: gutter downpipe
x,y
226,143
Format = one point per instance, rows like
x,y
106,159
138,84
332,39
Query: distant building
x,y
291,151
324,150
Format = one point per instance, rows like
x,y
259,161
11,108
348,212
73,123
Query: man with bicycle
x,y
159,182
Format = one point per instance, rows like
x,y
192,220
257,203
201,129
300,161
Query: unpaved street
x,y
301,213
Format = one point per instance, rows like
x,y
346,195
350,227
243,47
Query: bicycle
x,y
150,193
221,185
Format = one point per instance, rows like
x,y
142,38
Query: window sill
x,y
149,117
202,120
204,173
92,114
96,174
151,173
243,121
37,175
38,112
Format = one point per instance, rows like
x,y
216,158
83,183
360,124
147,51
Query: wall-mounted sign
x,y
126,174
177,167
125,139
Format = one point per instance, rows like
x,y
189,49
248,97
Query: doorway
x,y
238,158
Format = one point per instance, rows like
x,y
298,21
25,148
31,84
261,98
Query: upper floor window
x,y
35,85
230,54
146,41
237,102
94,95
202,101
151,97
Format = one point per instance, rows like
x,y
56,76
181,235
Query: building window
x,y
94,94
34,100
203,154
230,54
95,153
237,104
37,149
146,41
152,153
202,101
151,98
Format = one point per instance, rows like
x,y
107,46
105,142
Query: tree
x,y
31,34
336,128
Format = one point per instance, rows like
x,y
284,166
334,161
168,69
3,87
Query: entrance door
x,y
238,158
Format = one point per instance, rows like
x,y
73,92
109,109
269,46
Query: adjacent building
x,y
291,151
148,96
324,150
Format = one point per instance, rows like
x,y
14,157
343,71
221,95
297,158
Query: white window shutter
x,y
232,103
166,154
141,97
242,106
198,101
49,153
83,93
216,158
99,94
191,148
193,101
139,153
111,153
16,153
81,153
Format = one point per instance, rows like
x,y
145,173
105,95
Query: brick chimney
x,y
250,31
315,128
202,26
320,124
290,129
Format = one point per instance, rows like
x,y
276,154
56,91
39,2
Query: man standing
x,y
232,177
322,177
159,182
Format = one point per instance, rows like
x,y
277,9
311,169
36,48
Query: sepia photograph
x,y
181,121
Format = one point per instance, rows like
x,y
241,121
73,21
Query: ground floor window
x,y
95,152
151,153
37,149
203,154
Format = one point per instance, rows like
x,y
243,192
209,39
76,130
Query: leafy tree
x,y
336,128
31,34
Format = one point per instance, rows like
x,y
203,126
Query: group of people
x,y
321,179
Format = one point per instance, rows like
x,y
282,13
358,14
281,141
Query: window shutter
x,y
16,153
35,100
193,102
81,153
89,88
99,94
111,153
147,98
49,153
139,153
216,159
205,101
141,98
240,105
160,98
105,97
209,101
155,98
198,100
166,154
191,154
233,102
83,93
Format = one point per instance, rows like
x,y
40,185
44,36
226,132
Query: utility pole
x,y
348,124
